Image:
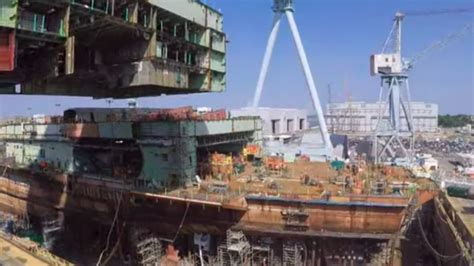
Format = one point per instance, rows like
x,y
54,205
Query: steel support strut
x,y
309,79
399,110
266,59
285,7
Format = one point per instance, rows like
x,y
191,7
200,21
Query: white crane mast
x,y
280,8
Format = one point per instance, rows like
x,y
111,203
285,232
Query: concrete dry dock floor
x,y
12,255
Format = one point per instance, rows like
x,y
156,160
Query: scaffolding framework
x,y
236,250
292,254
148,247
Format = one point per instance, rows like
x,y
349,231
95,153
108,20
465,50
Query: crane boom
x,y
439,11
468,28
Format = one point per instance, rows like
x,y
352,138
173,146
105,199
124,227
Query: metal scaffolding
x,y
293,253
236,250
51,227
148,247
262,253
149,251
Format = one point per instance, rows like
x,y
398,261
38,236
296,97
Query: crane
x,y
393,136
285,8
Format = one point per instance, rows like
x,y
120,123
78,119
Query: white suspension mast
x,y
285,7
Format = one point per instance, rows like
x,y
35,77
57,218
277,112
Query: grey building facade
x,y
276,121
362,117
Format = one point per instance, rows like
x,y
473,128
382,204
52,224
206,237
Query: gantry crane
x,y
280,8
395,135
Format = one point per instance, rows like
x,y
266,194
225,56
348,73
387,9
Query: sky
x,y
338,36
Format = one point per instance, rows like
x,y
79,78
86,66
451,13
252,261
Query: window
x,y
289,125
164,157
42,153
275,126
302,124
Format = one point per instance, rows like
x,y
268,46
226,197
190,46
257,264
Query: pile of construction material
x,y
179,114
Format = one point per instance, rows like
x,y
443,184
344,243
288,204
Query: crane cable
x,y
441,256
117,210
181,224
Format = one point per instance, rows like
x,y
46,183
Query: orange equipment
x,y
274,163
221,165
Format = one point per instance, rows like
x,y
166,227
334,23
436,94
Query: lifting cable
x,y
441,256
181,224
439,215
111,229
117,245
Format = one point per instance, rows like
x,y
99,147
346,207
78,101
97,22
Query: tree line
x,y
455,120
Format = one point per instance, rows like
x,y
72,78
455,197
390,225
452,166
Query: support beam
x,y
134,13
309,80
112,11
70,50
284,7
266,59
152,43
397,105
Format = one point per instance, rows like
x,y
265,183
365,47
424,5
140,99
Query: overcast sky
x,y
339,36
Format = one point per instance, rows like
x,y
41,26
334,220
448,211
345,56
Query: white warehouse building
x,y
362,118
276,121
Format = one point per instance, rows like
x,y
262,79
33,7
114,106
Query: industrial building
x,y
362,117
277,121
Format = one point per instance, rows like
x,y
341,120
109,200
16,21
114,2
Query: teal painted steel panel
x,y
165,165
57,154
116,130
213,127
158,129
243,125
